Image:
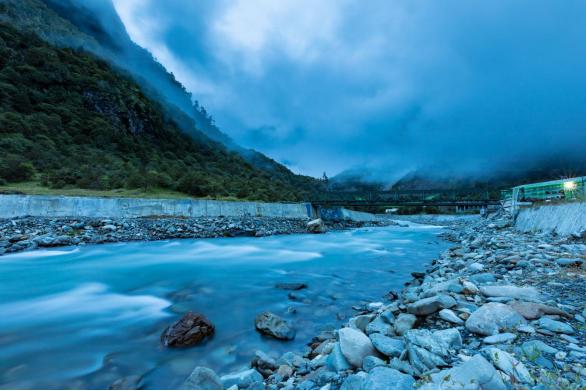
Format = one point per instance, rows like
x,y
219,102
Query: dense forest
x,y
69,119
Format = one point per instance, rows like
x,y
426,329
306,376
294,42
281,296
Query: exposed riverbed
x,y
83,317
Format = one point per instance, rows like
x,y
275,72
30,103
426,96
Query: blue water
x,y
84,317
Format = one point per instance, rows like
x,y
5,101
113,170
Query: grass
x,y
35,188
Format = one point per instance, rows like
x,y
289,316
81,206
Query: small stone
x,y
525,328
555,326
249,379
291,286
476,267
510,365
515,292
450,316
383,378
430,305
404,323
370,362
500,338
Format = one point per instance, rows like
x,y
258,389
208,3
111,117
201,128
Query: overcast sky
x,y
392,85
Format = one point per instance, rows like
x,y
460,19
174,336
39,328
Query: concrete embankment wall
x,y
564,219
346,214
56,206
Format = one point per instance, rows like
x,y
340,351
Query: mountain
x,y
81,26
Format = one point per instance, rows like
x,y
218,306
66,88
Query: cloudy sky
x,y
382,85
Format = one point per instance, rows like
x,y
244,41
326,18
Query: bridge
x,y
460,198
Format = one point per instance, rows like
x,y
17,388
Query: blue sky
x,y
386,86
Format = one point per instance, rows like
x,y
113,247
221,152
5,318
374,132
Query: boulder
x,y
492,318
355,345
370,362
509,365
263,363
532,311
203,379
431,305
274,326
555,326
378,325
515,292
390,347
427,350
404,323
474,374
249,379
360,322
316,226
190,330
383,378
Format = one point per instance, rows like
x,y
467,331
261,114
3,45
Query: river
x,y
82,317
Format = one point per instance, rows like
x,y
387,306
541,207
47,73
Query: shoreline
x,y
30,233
501,309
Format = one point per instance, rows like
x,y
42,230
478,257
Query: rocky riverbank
x,y
29,233
498,310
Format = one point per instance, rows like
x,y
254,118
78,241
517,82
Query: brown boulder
x,y
190,330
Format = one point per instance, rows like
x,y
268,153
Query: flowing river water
x,y
84,317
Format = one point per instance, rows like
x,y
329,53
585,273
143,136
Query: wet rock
x,y
492,318
378,325
355,345
203,379
515,292
509,365
390,347
316,226
263,363
291,286
431,305
274,326
250,379
190,330
404,323
474,374
555,326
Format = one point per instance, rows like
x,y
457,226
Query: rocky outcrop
x,y
190,330
316,226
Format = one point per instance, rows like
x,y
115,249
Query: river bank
x,y
500,309
29,233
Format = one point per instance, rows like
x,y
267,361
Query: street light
x,y
570,185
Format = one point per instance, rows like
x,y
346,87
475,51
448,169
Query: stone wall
x,y
564,219
60,206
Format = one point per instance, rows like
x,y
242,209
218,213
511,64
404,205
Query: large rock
x,y
203,379
536,310
190,330
509,365
492,318
474,374
274,326
355,345
316,226
263,363
450,316
515,292
336,361
383,378
390,347
245,380
431,305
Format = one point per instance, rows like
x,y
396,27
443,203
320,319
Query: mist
x,y
465,88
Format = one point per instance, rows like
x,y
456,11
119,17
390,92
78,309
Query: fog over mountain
x,y
380,87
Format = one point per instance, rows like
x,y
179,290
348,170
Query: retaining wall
x,y
61,206
346,214
564,219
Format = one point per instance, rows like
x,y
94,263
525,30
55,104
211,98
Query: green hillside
x,y
68,119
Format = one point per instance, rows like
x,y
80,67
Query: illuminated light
x,y
570,185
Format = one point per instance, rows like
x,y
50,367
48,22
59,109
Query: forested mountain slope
x,y
70,119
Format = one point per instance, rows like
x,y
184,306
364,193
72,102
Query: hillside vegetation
x,y
69,119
